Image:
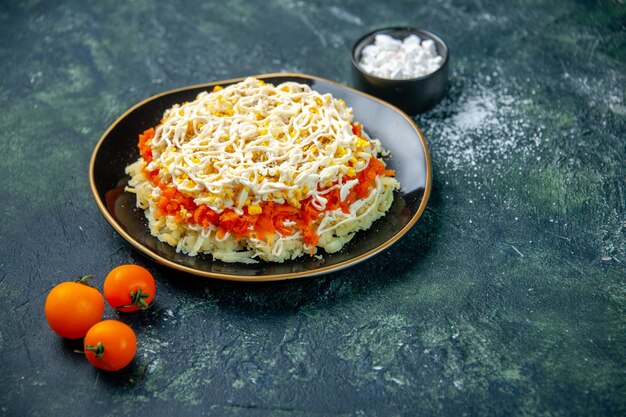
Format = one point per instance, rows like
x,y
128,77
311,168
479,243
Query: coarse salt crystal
x,y
390,44
398,59
429,46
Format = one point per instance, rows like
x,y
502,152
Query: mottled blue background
x,y
507,298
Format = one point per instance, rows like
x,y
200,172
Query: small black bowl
x,y
414,95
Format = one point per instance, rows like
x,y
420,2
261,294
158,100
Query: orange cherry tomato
x,y
129,288
73,307
110,345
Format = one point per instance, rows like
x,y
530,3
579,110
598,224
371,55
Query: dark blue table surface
x,y
508,297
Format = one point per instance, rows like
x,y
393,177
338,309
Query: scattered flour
x,y
483,125
474,112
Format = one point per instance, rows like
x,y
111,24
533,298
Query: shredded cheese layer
x,y
255,170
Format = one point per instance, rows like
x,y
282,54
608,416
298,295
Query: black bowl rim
x,y
417,31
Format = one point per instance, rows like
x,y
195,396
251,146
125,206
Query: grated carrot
x,y
272,216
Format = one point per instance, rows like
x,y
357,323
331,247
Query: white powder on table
x,y
482,126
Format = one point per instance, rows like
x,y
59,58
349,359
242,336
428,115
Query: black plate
x,y
398,133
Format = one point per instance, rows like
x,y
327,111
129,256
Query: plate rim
x,y
271,277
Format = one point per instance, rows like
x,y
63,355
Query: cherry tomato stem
x,y
138,299
84,279
98,350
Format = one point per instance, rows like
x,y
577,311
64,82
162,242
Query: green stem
x,y
84,279
138,298
98,349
